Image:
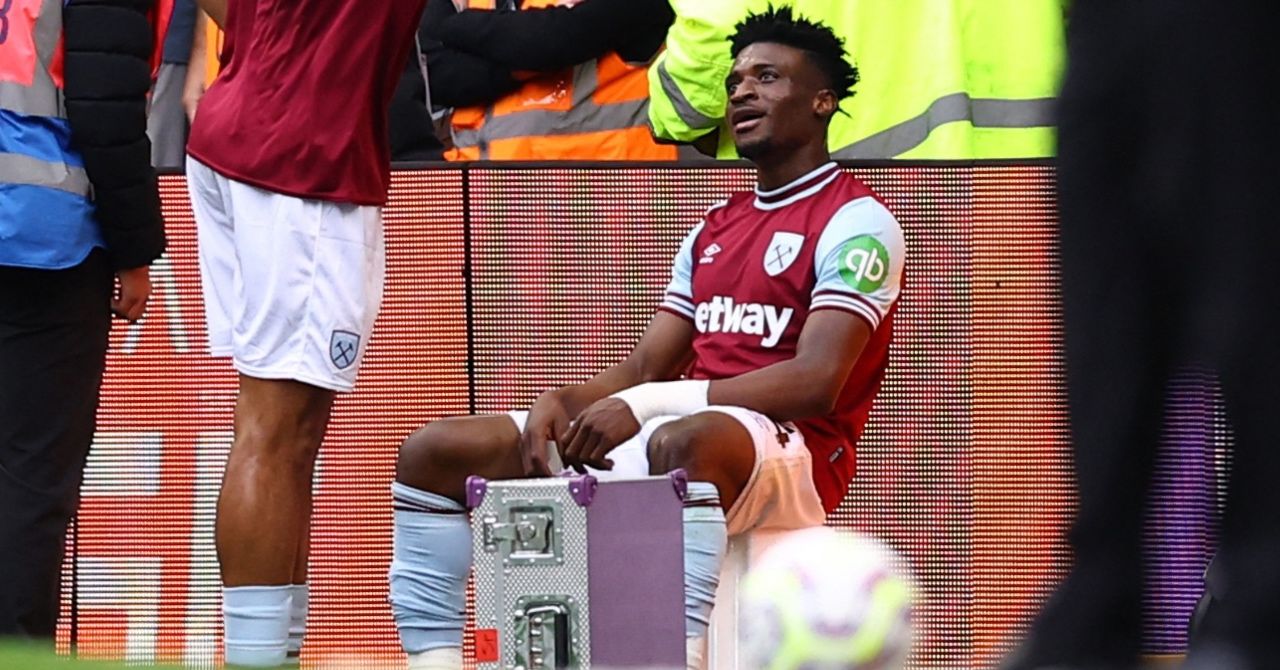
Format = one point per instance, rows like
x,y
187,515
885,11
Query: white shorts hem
x,y
293,375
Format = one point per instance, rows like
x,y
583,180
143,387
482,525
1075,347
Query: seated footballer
x,y
755,375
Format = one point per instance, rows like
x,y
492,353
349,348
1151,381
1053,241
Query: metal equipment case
x,y
578,572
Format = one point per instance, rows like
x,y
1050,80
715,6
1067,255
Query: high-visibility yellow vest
x,y
941,79
594,111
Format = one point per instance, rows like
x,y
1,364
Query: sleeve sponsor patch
x,y
864,263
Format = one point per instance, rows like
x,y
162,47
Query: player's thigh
x,y
762,469
709,446
441,455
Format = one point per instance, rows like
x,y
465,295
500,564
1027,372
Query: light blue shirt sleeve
x,y
679,295
859,261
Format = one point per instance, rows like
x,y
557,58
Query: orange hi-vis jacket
x,y
597,110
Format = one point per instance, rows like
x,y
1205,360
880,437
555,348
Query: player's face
x,y
777,101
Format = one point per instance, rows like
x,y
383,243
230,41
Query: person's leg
x,y
299,590
262,511
745,472
1249,551
167,118
1243,300
1120,310
431,557
253,613
53,342
293,287
279,425
717,455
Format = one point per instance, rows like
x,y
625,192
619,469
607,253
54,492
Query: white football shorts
x,y
291,286
780,495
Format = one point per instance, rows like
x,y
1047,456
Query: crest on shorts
x,y
783,250
344,346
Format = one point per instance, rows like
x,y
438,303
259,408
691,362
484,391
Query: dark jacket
x,y
411,131
109,46
472,55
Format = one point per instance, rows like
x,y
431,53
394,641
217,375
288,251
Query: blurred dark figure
x,y
1168,151
546,79
80,225
411,128
460,78
1206,609
167,122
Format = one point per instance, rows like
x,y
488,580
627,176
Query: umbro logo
x,y
709,254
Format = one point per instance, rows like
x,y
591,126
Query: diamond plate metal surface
x,y
501,584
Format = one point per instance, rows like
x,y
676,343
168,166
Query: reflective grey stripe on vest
x,y
983,112
583,116
42,97
23,169
684,109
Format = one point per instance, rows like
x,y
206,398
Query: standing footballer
x,y
287,169
779,314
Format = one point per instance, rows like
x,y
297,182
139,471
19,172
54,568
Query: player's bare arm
x,y
216,9
808,384
804,386
662,354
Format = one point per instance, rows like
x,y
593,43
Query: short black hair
x,y
779,26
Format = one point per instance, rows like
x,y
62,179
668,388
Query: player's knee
x,y
282,418
423,455
675,445
271,441
709,448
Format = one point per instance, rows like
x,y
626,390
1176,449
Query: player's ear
x,y
825,103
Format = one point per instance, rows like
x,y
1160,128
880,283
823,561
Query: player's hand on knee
x,y
597,430
547,419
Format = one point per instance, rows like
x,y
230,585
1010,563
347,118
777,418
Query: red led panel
x,y
504,281
145,570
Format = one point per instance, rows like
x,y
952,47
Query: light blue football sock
x,y
256,625
301,600
431,560
705,543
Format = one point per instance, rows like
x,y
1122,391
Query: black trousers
x,y
1168,178
53,344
